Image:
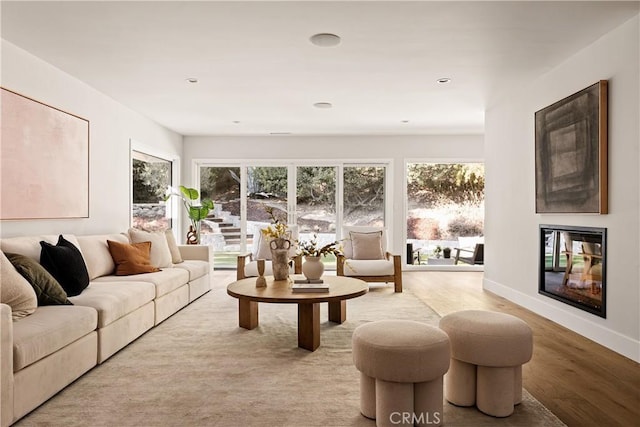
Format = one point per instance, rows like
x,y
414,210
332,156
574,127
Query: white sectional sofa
x,y
42,353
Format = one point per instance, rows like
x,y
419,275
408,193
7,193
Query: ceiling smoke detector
x,y
325,40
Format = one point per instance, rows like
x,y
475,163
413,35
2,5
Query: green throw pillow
x,y
48,290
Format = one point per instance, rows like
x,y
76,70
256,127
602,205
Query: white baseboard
x,y
613,340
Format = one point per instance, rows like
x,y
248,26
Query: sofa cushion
x,y
47,289
64,261
131,258
30,245
176,256
48,330
96,253
165,280
160,253
15,291
196,268
366,267
114,300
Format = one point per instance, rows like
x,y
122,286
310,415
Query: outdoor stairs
x,y
230,233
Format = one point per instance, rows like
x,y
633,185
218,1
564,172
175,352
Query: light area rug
x,y
198,368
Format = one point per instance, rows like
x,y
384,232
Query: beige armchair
x,y
247,265
365,257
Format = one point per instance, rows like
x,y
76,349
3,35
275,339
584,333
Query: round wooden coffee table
x,y
340,290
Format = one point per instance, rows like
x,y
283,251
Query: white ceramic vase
x,y
312,268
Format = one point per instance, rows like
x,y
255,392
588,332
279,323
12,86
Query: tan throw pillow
x,y
160,253
131,258
15,291
367,245
176,257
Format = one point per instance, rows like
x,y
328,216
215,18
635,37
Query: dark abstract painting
x,y
571,153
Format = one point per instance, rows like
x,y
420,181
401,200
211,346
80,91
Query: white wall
x,y
394,148
111,127
511,225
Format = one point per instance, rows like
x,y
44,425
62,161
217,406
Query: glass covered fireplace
x,y
573,266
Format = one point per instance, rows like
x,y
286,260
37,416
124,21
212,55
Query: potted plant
x,y
312,268
196,211
279,237
446,252
437,251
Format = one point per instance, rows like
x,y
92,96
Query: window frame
x,y
292,165
173,208
405,201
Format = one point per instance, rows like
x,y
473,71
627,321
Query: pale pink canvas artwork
x,y
44,159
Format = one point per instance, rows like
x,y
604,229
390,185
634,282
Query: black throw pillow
x,y
64,261
48,290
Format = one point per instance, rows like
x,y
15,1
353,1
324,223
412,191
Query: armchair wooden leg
x,y
297,264
340,265
240,268
397,273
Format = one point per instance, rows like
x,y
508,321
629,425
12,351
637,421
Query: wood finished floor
x,y
581,382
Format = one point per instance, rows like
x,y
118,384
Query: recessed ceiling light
x,y
405,121
323,105
280,133
443,80
192,80
236,121
325,40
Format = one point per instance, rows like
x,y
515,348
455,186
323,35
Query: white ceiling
x,y
257,67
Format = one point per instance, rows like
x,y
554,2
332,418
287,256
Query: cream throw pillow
x,y
367,245
264,248
15,291
176,257
160,253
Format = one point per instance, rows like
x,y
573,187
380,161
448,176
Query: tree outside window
x,y
151,176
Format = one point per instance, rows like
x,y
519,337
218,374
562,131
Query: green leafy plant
x,y
190,196
437,251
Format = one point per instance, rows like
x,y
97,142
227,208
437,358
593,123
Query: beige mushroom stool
x,y
488,350
401,365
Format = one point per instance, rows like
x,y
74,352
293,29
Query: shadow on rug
x,y
198,368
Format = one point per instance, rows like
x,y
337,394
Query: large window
x,y
266,188
309,195
364,195
315,208
445,206
222,186
151,177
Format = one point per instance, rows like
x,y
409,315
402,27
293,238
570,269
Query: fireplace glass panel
x,y
572,266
